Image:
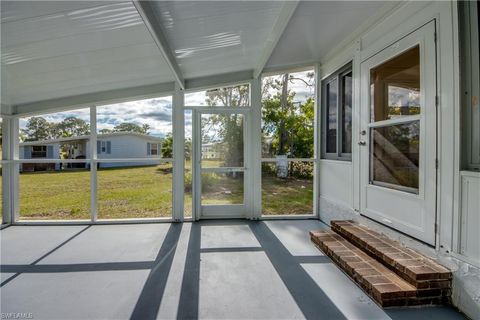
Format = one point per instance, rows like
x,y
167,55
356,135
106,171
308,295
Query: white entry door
x,y
398,135
220,163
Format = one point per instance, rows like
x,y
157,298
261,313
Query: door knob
x,y
362,143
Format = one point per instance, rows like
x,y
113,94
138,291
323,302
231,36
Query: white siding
x,y
470,213
125,147
336,182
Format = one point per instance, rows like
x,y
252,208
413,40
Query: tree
x,y
167,146
105,131
131,127
289,123
37,128
71,126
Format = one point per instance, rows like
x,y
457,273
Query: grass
x,y
144,192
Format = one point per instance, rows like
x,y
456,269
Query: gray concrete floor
x,y
209,270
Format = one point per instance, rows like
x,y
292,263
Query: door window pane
x,y
395,155
54,191
331,116
395,87
222,140
347,113
188,182
222,188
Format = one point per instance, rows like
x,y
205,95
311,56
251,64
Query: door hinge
x,y
436,163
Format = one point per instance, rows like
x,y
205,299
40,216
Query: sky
x,y
156,112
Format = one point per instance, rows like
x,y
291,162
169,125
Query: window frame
x,y
103,146
152,149
39,154
337,76
470,43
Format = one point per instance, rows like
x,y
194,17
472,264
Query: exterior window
x,y
104,147
153,149
337,115
39,151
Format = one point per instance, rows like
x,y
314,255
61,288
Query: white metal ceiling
x,y
58,49
74,49
210,37
317,27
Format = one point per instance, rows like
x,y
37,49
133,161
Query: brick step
x,y
382,284
418,270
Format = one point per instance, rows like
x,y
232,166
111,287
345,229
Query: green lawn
x,y
144,192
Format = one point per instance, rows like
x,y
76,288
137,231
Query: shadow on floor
x,y
312,301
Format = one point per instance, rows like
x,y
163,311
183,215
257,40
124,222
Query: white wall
x,y
470,216
339,181
124,147
336,186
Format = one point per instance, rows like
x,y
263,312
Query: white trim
x,y
317,141
224,109
289,217
217,81
223,169
89,222
43,160
149,160
93,165
286,13
153,25
178,133
289,159
256,149
97,98
294,68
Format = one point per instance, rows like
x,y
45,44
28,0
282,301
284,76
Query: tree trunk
x,y
283,107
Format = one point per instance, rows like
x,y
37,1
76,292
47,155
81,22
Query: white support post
x,y
93,163
256,147
356,126
317,141
178,154
10,173
11,180
196,167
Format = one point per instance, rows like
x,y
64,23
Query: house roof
x,y
64,53
86,137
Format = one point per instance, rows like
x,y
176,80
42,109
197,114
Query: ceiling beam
x,y
153,25
218,80
95,98
279,27
128,94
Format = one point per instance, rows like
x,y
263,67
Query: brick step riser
x,y
374,277
386,251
